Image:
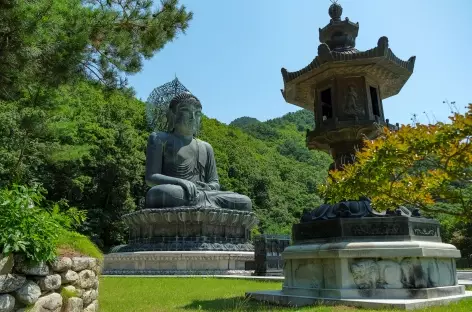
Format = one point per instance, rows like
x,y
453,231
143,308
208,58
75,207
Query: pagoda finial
x,y
335,10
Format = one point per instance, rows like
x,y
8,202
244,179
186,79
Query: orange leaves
x,y
414,166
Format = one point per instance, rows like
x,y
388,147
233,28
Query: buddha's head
x,y
184,114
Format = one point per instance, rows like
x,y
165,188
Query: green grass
x,y
135,294
72,243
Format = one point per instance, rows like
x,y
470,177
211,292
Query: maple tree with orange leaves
x,y
417,166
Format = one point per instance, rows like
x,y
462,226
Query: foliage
x,y
85,145
252,162
420,166
29,229
243,122
67,293
46,42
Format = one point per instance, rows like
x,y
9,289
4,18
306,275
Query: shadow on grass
x,y
230,304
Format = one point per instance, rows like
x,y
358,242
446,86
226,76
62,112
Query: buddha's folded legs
x,y
167,195
229,200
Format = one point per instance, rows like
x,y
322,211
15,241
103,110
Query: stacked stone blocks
x,y
65,285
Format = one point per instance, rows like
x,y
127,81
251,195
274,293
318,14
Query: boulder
x,y
6,264
93,263
69,277
97,269
61,264
49,303
50,282
28,293
25,267
93,307
80,263
73,304
86,279
96,284
7,303
89,296
11,282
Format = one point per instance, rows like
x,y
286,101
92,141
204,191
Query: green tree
x,y
423,166
85,145
280,186
50,42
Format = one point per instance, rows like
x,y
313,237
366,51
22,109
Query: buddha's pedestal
x,y
376,262
183,241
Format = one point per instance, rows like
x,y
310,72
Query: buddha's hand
x,y
203,186
190,189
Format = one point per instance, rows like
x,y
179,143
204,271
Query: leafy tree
x,y
424,166
280,186
49,42
85,145
243,122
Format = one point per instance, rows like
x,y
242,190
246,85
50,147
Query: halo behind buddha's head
x,y
184,98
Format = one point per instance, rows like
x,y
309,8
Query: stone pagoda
x,y
348,253
345,87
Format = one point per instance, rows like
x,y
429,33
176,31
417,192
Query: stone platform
x,y
177,263
279,298
368,262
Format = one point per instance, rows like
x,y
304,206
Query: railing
x,y
268,254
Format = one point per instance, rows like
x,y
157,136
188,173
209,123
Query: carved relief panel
x,y
351,98
409,273
307,273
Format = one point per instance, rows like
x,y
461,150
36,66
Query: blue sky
x,y
231,55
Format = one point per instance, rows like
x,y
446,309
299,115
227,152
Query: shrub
x,y
31,226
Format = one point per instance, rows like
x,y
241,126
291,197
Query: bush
x,y
30,225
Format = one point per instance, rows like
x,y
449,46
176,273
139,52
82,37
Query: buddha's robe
x,y
194,161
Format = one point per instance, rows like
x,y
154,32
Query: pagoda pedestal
x,y
391,262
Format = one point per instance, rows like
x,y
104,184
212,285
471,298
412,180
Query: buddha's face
x,y
187,117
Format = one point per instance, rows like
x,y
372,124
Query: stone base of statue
x,y
377,262
184,240
178,263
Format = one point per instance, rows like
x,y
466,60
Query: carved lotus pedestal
x,y
375,262
184,240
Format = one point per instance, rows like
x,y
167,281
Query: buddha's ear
x,y
170,121
197,131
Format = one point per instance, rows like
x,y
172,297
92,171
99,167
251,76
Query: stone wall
x,y
65,285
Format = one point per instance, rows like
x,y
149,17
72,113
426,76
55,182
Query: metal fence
x,y
268,254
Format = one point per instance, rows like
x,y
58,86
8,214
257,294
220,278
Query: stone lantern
x,y
348,253
345,87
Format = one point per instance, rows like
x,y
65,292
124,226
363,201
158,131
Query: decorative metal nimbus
x,y
158,103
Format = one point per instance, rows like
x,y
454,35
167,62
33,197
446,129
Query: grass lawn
x,y
135,294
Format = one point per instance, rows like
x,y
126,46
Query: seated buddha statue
x,y
181,169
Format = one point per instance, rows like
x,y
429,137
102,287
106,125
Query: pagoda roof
x,y
328,56
338,57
